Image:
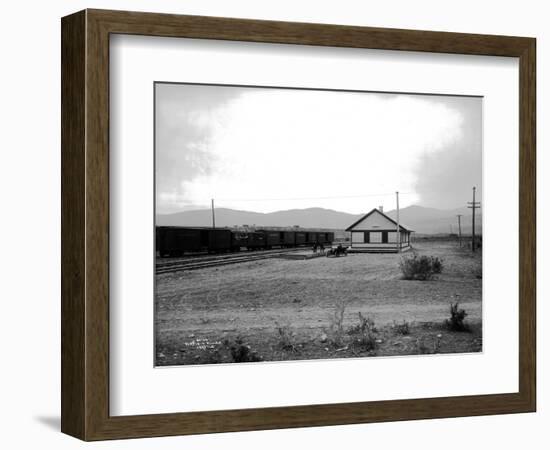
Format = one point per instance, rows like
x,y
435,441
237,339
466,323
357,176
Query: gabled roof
x,y
401,227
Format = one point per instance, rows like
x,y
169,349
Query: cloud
x,y
445,177
271,149
185,118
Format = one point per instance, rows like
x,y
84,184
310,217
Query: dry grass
x,y
248,299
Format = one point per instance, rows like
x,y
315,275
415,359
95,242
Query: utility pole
x,y
398,234
213,216
459,231
473,205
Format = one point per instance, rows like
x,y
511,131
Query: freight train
x,y
176,241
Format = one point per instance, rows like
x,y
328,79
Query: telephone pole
x,y
398,234
473,205
213,215
459,231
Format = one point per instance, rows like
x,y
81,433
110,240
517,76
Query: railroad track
x,y
193,263
168,261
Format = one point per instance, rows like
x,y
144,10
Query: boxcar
x,y
175,241
273,238
300,238
256,240
219,240
239,239
325,237
289,238
311,238
248,240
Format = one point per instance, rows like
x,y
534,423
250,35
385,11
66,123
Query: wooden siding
x,y
378,244
376,221
372,239
357,237
375,237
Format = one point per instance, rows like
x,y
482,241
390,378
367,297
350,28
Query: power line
x,y
459,230
473,205
335,197
398,234
213,216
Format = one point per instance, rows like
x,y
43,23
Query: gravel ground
x,y
200,314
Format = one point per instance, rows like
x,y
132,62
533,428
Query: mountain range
x,y
421,219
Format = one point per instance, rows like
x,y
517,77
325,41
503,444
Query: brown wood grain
x,y
85,224
73,224
527,224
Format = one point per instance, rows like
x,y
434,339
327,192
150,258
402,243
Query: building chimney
x,y
381,208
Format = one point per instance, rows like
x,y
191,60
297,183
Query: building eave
x,y
401,227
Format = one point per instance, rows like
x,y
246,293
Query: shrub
x,y
456,321
366,341
337,324
242,353
366,323
420,267
402,328
285,338
437,264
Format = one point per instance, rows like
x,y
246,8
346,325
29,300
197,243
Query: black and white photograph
x,y
305,224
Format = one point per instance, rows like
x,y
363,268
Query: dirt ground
x,y
280,309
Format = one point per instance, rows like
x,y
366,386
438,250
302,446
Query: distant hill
x,y
305,218
420,219
437,221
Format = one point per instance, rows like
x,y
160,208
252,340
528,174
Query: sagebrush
x,y
420,267
337,325
365,329
286,341
456,321
240,352
402,328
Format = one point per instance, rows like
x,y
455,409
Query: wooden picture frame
x,y
85,224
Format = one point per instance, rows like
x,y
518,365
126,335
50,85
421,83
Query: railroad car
x,y
325,237
176,241
219,240
249,240
239,240
311,238
273,238
300,238
256,241
289,238
321,238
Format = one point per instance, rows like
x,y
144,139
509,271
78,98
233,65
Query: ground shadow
x,y
52,422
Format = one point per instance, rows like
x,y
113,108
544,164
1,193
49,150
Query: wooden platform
x,y
377,250
301,255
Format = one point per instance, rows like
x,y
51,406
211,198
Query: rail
x,y
200,262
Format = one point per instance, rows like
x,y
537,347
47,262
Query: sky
x,y
264,149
